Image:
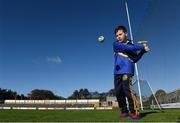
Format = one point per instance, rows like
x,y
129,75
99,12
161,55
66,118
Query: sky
x,y
52,44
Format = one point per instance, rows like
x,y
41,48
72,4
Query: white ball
x,y
101,39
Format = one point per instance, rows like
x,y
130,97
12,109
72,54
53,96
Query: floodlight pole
x,y
136,68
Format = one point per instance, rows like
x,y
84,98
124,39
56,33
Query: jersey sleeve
x,y
120,47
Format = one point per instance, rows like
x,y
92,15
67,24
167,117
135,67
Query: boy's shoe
x,y
124,115
134,116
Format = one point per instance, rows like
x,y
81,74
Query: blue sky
x,y
52,44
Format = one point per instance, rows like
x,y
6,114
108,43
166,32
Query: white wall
x,y
81,101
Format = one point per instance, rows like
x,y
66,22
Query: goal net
x,y
149,101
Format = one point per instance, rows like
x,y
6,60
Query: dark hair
x,y
123,28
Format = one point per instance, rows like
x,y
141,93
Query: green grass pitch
x,y
170,115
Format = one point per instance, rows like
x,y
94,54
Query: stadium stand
x,y
83,104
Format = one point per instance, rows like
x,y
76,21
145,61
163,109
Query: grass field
x,y
88,116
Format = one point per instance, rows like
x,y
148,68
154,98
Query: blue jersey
x,y
126,56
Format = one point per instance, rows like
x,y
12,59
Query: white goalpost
x,y
138,81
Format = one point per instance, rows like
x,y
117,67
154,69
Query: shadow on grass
x,y
178,120
144,114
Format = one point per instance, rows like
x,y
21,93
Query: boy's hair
x,y
123,28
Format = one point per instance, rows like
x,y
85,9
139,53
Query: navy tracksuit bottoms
x,y
124,89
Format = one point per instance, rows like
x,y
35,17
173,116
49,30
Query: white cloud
x,y
54,60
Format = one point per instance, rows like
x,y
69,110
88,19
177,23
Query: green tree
x,y
160,93
75,95
87,94
37,94
112,92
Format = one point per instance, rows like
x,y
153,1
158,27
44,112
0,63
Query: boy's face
x,y
121,35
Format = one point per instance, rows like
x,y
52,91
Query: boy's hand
x,y
145,44
146,48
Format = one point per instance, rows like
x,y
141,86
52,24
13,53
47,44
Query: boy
x,y
125,54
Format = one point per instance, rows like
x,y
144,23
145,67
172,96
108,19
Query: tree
x,y
37,94
95,95
87,94
81,93
75,95
160,93
7,94
112,92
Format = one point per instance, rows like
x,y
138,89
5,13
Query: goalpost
x,y
138,81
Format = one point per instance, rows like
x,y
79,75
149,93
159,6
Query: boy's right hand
x,y
146,48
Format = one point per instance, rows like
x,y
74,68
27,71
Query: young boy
x,y
125,54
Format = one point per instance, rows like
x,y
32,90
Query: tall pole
x,y
136,68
